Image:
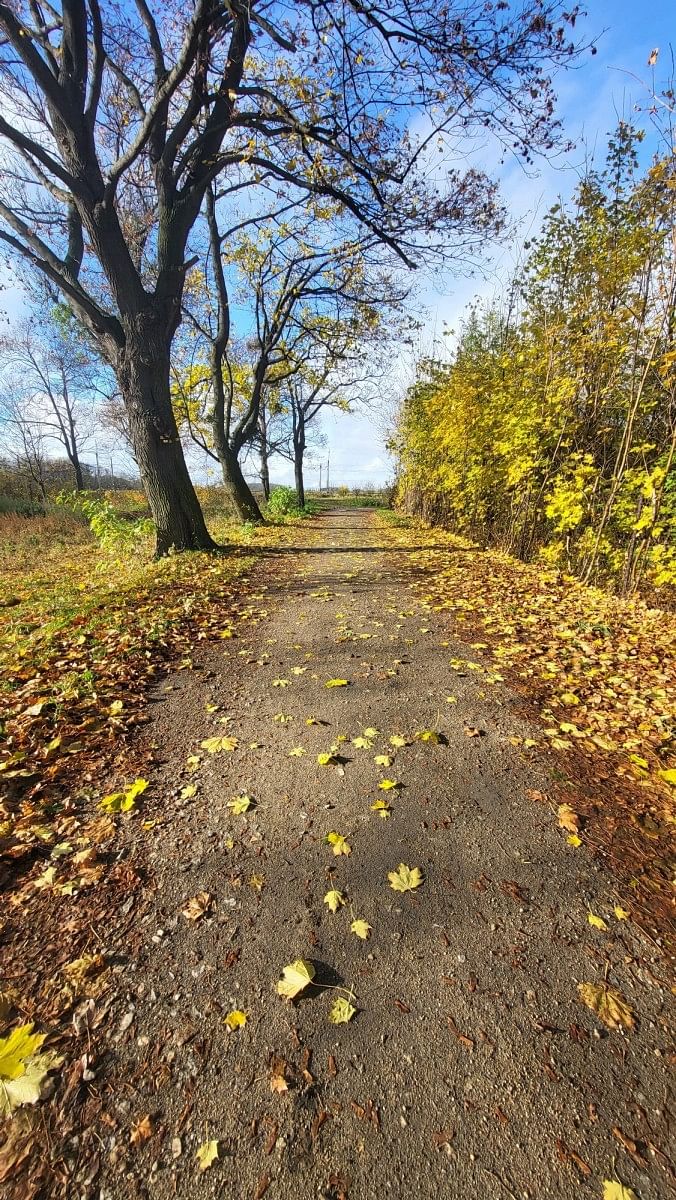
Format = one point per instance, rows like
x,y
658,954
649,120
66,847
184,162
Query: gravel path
x,y
470,1069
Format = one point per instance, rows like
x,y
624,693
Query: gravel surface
x,y
471,1068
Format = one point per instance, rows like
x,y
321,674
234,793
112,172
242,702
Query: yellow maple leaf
x,y
341,1011
405,879
386,785
362,743
361,928
339,844
382,760
597,922
326,760
608,1004
198,906
235,1019
382,807
621,913
334,899
281,682
574,840
428,735
214,745
295,978
297,752
331,683
22,1068
398,740
207,1154
612,1190
370,732
240,804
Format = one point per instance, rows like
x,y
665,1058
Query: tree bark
x,y
265,474
241,497
143,376
299,452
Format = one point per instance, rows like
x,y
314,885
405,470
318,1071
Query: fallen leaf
x,y
297,752
386,785
207,1154
608,1004
214,745
141,1131
22,1068
405,879
621,913
361,928
612,1190
339,844
189,790
327,760
382,807
362,743
371,732
257,882
278,1084
398,740
568,818
331,683
334,899
341,1011
235,1019
295,978
574,840
198,906
597,922
428,735
240,804
382,760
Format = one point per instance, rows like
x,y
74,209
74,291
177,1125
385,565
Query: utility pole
x,y
98,471
112,473
328,464
320,478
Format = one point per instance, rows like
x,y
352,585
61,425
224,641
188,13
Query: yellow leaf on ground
x,y
281,682
257,882
336,683
668,776
189,790
22,1068
326,760
339,844
235,1019
405,879
214,745
568,818
297,752
382,807
361,928
341,1011
428,735
295,978
612,1190
608,1004
386,785
382,760
597,922
207,1154
621,913
574,840
240,804
334,899
278,1084
371,732
362,743
398,740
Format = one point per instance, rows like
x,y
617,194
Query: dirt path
x,y
471,1068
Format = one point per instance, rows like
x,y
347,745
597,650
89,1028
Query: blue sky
x,y
591,99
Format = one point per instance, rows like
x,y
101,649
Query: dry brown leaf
x,y
198,906
141,1131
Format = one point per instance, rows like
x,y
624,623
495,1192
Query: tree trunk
x,y
77,467
143,376
240,495
265,475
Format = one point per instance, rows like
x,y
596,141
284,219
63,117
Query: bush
x,y
283,502
21,506
110,528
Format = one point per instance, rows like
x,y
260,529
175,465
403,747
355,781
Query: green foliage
x,y
552,432
111,529
283,502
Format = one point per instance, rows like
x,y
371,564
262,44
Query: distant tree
x,y
53,377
